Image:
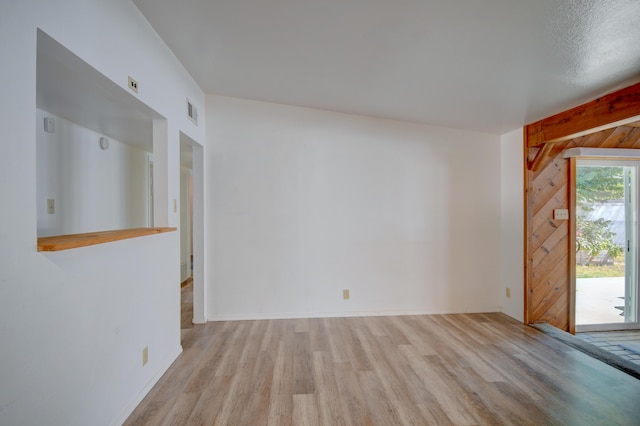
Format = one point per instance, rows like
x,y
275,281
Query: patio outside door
x,y
606,244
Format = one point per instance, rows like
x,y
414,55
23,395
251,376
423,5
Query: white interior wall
x,y
93,189
73,324
512,235
308,203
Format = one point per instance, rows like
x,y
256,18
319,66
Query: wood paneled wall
x,y
548,297
607,122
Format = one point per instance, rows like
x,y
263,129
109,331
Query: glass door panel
x,y
631,256
606,241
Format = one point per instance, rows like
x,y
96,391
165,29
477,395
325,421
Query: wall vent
x,y
192,112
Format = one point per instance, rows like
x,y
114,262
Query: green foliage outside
x,y
595,185
599,185
594,237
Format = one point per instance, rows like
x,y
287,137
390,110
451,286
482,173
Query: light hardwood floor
x,y
408,370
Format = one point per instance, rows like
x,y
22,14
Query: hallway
x,y
186,306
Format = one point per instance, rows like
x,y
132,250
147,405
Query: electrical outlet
x,y
345,294
145,355
133,85
508,292
51,206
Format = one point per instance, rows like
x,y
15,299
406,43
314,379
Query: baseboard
x,y
145,390
518,317
301,315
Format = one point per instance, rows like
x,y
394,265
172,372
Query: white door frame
x,y
197,222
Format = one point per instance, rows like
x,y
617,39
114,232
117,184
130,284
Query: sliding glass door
x,y
606,244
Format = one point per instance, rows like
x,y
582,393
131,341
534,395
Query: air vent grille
x,y
192,112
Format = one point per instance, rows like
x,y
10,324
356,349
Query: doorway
x,y
186,239
191,232
606,240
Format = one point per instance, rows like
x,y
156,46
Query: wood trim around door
x,y
527,224
572,245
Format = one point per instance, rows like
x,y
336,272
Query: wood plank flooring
x,y
409,370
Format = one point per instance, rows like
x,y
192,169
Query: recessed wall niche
x,y
94,148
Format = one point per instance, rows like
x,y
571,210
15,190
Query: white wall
x,y
308,203
73,323
93,189
512,235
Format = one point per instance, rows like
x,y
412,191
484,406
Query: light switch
x,y
51,206
561,214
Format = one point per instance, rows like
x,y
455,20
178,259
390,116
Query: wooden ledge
x,y
66,242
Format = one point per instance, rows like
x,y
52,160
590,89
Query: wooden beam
x,y
541,155
612,110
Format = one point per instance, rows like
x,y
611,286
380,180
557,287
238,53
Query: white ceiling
x,y
486,65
